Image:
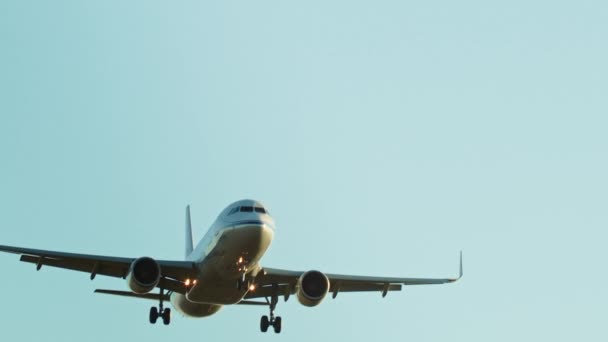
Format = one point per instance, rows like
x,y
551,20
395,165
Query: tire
x,y
278,322
153,315
264,323
167,317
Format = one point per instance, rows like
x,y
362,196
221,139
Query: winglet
x,y
189,245
460,273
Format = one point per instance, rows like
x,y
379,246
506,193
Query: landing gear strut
x,y
275,322
242,283
155,312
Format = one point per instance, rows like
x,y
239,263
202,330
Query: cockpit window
x,y
233,210
260,210
247,209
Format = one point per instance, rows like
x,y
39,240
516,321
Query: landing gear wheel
x,y
264,324
156,312
275,322
153,315
166,316
277,325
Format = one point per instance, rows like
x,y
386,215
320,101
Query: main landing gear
x,y
275,322
155,312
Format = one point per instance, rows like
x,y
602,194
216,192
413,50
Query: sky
x,y
384,136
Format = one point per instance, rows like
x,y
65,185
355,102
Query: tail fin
x,y
189,245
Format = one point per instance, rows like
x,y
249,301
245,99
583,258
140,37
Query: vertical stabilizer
x,y
189,245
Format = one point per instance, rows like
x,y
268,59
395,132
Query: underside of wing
x,y
173,273
277,282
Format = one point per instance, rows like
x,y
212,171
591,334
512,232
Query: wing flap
x,y
384,280
337,287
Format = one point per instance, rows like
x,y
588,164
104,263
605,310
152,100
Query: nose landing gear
x,y
241,266
242,282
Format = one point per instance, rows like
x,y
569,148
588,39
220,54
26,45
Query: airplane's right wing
x,y
174,273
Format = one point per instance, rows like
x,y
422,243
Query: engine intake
x,y
144,275
313,286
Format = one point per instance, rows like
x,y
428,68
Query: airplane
x,y
223,269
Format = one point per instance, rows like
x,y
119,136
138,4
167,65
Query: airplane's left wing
x,y
271,282
173,272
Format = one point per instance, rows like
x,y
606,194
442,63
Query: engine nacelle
x,y
144,275
313,286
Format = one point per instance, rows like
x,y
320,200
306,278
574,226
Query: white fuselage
x,y
230,250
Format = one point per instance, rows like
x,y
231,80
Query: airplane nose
x,y
253,238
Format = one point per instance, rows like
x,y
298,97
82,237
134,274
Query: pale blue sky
x,y
384,135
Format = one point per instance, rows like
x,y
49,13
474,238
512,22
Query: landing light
x,y
252,287
240,260
189,282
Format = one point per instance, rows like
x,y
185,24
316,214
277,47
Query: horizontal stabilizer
x,y
156,296
151,296
252,302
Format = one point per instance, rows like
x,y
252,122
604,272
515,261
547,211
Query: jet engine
x,y
144,275
312,288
